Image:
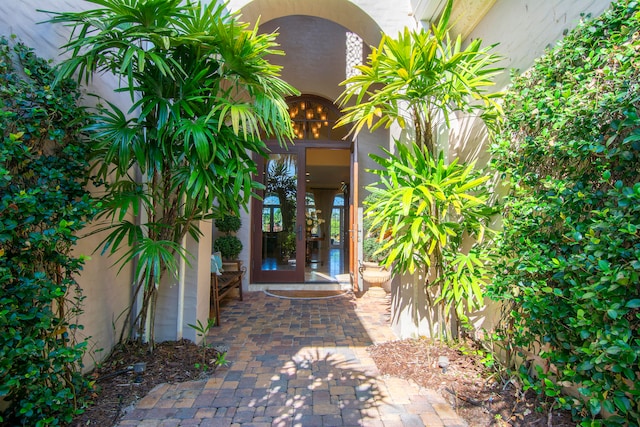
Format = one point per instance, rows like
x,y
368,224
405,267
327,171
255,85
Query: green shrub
x,y
569,274
228,223
43,204
206,99
417,81
229,246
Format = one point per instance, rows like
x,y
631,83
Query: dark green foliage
x,y
371,246
229,246
43,203
228,223
204,99
570,150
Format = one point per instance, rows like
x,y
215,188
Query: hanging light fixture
x,y
310,119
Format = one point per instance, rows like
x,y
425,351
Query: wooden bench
x,y
224,283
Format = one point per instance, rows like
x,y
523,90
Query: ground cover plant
x,y
203,98
569,274
43,203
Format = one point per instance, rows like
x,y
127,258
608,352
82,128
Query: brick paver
x,y
297,363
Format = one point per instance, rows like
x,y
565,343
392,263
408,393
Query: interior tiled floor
x,y
335,270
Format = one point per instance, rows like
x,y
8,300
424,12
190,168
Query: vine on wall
x,y
43,203
570,151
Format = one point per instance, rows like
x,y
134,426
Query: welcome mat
x,y
292,294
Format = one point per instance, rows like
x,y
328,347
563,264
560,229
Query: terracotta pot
x,y
376,275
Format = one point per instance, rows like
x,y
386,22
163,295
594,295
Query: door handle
x,y
299,232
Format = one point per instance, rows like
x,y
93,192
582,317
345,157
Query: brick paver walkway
x,y
297,363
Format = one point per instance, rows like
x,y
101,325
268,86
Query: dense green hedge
x,y
43,170
570,151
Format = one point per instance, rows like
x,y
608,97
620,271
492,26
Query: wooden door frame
x,y
353,219
277,276
300,147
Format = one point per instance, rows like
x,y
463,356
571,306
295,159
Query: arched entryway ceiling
x,y
315,53
367,18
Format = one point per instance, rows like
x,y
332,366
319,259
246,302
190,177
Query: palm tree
x,y
428,206
418,77
203,98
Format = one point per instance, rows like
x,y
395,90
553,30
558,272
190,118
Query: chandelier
x,y
310,119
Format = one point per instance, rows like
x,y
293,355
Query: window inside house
x,y
311,215
271,214
337,220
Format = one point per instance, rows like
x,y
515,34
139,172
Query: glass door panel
x,y
281,232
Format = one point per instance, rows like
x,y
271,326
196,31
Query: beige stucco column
x,y
180,304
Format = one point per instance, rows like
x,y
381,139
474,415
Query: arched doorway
x,y
299,228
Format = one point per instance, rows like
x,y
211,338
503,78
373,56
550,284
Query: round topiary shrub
x,y
228,224
229,246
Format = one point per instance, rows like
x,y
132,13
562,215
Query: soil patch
x,y
117,386
477,393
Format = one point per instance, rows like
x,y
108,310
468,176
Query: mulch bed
x,y
476,393
118,387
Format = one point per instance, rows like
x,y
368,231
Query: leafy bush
x,y
429,207
570,150
229,246
194,147
43,204
371,247
228,223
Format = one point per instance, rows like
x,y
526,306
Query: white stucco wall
x,y
193,298
315,60
524,29
364,17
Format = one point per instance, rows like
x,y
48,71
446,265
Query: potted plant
x,y
228,244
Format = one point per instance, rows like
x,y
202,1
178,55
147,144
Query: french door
x,y
279,242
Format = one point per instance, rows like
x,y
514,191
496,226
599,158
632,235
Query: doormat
x,y
293,294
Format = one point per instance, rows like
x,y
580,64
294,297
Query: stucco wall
x,y
180,305
364,17
315,60
524,28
